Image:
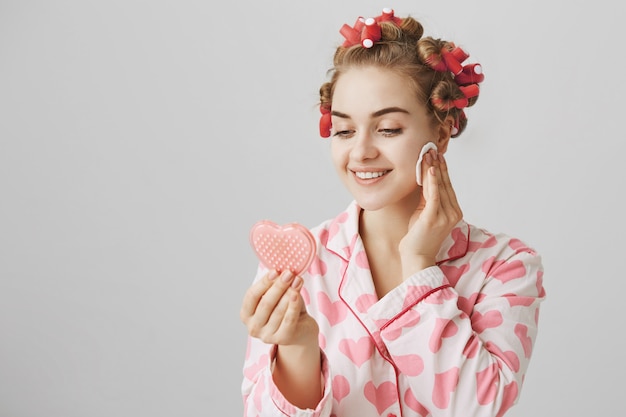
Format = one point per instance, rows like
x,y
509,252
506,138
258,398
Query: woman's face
x,y
378,130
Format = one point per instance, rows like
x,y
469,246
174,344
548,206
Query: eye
x,y
390,132
344,134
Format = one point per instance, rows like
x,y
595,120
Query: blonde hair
x,y
402,49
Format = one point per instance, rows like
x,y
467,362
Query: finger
x,y
446,176
442,185
271,330
272,296
267,305
270,327
264,295
425,164
291,317
428,161
432,206
449,189
255,293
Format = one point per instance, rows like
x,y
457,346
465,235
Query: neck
x,y
387,226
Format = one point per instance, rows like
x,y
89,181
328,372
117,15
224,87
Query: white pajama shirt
x,y
454,339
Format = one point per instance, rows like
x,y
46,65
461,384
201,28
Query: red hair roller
x,y
325,122
446,105
435,62
370,33
471,74
388,15
469,91
459,54
452,64
352,34
358,25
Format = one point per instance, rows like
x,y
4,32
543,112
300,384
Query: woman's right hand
x,y
435,216
273,311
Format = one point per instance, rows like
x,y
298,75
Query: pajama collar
x,y
343,233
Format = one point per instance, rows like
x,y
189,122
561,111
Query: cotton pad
x,y
418,166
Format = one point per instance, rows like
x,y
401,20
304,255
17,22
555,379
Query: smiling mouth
x,y
370,175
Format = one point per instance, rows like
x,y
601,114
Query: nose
x,y
363,147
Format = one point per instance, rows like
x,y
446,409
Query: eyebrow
x,y
377,113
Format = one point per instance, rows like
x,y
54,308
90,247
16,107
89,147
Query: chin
x,y
371,204
378,201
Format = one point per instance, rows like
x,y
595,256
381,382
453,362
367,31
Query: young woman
x,y
406,310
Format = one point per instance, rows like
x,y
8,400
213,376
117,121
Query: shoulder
x,y
501,244
494,264
503,256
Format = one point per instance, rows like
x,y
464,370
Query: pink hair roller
x,y
289,247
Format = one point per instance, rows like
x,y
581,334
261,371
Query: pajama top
x,y
454,339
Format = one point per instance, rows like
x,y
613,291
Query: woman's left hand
x,y
436,214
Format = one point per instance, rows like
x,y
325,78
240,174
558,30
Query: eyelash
x,y
390,132
344,134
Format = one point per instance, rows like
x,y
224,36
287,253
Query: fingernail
x,y
286,276
272,275
296,283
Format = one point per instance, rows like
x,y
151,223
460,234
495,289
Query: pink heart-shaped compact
x,y
288,247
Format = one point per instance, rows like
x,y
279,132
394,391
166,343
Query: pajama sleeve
x,y
261,397
464,356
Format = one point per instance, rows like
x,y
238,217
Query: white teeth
x,y
368,175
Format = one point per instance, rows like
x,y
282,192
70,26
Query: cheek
x,y
338,155
405,156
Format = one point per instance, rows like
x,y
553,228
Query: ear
x,y
444,133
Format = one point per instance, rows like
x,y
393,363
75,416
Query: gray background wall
x,y
140,140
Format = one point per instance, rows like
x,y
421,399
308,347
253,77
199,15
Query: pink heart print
x,y
287,247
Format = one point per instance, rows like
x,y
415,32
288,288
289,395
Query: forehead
x,y
371,88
